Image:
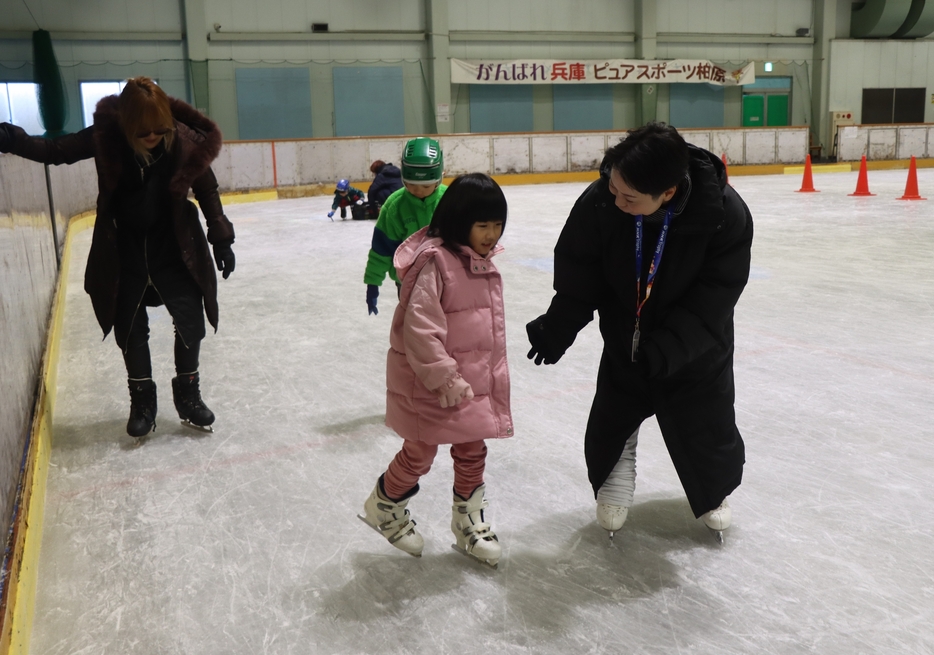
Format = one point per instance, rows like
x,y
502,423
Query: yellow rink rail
x,y
19,604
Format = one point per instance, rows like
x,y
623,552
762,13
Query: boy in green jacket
x,y
405,212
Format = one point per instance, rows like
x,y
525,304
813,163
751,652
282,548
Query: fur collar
x,y
197,143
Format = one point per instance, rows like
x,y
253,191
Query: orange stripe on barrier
x,y
275,177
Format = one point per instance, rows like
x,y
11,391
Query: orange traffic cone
x,y
807,182
911,187
862,182
726,169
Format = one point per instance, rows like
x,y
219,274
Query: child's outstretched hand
x,y
454,392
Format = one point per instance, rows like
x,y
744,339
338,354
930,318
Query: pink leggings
x,y
415,459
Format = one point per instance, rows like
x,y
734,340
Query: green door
x,y
776,113
753,111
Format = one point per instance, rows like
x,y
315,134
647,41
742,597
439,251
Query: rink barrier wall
x,y
28,271
511,159
308,190
885,142
300,166
29,509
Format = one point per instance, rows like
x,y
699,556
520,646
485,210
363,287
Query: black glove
x,y
542,348
372,293
224,258
6,137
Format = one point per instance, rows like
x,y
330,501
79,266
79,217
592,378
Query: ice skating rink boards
x,y
246,541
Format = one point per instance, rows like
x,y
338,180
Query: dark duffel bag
x,y
358,212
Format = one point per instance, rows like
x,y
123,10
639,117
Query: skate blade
x,y
493,565
369,525
718,535
139,441
380,532
207,429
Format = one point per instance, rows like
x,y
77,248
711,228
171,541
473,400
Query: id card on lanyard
x,y
650,278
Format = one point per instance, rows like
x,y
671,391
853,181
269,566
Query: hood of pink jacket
x,y
418,242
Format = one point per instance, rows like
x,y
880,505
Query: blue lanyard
x,y
650,279
656,260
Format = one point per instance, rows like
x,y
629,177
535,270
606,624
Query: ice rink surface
x,y
246,541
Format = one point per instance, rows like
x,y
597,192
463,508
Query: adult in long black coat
x,y
668,332
148,246
388,180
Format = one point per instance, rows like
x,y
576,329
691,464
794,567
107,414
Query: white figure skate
x,y
393,521
718,520
474,537
614,498
611,517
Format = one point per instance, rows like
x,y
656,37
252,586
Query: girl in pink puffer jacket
x,y
446,373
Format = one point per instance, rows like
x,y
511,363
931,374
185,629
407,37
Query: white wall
x,y
298,15
762,17
859,64
88,16
734,16
542,15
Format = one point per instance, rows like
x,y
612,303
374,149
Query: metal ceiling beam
x,y
98,36
455,36
758,39
462,36
317,36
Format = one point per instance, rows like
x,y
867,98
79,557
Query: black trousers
x,y
137,356
696,419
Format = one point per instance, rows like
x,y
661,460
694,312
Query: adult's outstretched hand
x,y
224,258
542,351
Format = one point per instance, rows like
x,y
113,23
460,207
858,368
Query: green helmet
x,y
422,162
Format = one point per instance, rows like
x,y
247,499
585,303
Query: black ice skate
x,y
191,409
142,419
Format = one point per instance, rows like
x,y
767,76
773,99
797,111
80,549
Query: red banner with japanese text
x,y
598,71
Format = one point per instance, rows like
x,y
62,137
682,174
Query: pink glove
x,y
454,392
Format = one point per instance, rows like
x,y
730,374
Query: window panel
x,y
5,116
91,94
24,107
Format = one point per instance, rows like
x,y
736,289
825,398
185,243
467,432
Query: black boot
x,y
142,408
188,400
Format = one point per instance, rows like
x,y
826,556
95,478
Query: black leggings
x,y
137,357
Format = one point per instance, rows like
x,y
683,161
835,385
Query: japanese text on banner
x,y
610,71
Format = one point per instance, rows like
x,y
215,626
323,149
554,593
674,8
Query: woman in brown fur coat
x,y
148,247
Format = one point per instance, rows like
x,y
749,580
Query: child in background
x,y
446,371
345,196
405,211
388,179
